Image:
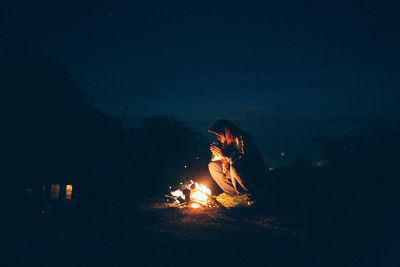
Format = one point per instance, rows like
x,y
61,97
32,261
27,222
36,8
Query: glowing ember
x,y
195,205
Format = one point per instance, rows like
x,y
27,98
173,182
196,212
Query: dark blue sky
x,y
285,71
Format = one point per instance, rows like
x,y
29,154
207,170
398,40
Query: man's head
x,y
224,130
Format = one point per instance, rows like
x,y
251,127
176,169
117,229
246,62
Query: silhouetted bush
x,y
52,134
360,177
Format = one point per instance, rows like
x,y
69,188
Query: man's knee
x,y
214,166
215,169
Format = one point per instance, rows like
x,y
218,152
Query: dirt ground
x,y
152,233
249,236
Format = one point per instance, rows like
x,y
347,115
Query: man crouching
x,y
236,164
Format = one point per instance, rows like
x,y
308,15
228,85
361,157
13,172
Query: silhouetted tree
x,y
51,133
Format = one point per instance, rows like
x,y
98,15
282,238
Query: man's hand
x,y
216,150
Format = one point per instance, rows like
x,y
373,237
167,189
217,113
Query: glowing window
x,y
68,191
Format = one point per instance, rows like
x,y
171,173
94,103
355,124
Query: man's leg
x,y
219,177
237,179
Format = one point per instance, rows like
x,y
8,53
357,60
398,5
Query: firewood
x,y
181,200
174,198
187,192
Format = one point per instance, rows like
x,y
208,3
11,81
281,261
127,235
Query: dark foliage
x,y
359,179
52,134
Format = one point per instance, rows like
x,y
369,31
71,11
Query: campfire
x,y
192,195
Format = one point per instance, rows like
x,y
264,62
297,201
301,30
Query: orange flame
x,y
199,194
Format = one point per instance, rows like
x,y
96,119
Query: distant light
x,y
197,157
271,169
185,166
170,187
320,163
283,154
180,183
68,191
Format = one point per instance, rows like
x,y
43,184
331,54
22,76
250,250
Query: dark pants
x,y
228,186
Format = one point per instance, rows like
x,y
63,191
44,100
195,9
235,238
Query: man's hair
x,y
220,126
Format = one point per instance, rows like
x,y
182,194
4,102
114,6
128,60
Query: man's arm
x,y
224,162
235,151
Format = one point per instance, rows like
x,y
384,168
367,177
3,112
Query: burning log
x,y
171,197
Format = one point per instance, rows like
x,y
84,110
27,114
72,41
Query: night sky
x,y
284,71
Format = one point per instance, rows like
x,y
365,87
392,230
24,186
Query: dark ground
x,y
77,233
